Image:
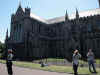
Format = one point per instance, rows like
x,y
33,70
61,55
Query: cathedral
x,y
32,37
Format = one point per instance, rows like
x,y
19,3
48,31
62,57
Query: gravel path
x,y
27,71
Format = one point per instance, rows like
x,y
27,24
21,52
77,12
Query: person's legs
x,y
75,67
93,65
90,66
10,68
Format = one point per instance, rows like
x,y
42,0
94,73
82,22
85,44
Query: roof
x,y
72,16
37,18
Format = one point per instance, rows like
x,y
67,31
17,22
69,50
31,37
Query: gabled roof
x,y
72,16
37,18
56,20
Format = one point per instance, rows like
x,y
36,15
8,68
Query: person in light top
x,y
76,56
90,59
9,62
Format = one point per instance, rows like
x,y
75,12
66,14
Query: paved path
x,y
26,71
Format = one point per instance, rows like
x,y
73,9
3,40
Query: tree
x,y
2,48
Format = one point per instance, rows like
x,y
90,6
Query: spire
x,y
19,1
66,16
77,14
99,3
19,4
20,9
7,35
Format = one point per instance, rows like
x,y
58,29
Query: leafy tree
x,y
2,48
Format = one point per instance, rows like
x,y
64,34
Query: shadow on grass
x,y
83,74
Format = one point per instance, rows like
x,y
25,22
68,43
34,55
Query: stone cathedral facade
x,y
32,37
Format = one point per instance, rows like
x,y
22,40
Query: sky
x,y
46,9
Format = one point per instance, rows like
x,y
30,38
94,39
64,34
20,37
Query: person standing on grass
x,y
91,61
9,62
76,57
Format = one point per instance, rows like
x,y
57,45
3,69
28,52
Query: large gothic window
x,y
89,27
98,43
17,32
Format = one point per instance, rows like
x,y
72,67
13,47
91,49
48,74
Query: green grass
x,y
97,61
54,68
51,60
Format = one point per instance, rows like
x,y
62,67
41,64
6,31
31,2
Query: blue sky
x,y
46,9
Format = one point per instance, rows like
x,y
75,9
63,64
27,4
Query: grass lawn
x,y
54,68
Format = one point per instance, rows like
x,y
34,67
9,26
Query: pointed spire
x,y
19,1
20,9
66,16
99,3
7,34
20,4
77,14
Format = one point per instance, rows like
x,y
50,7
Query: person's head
x,y
76,51
90,50
9,51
